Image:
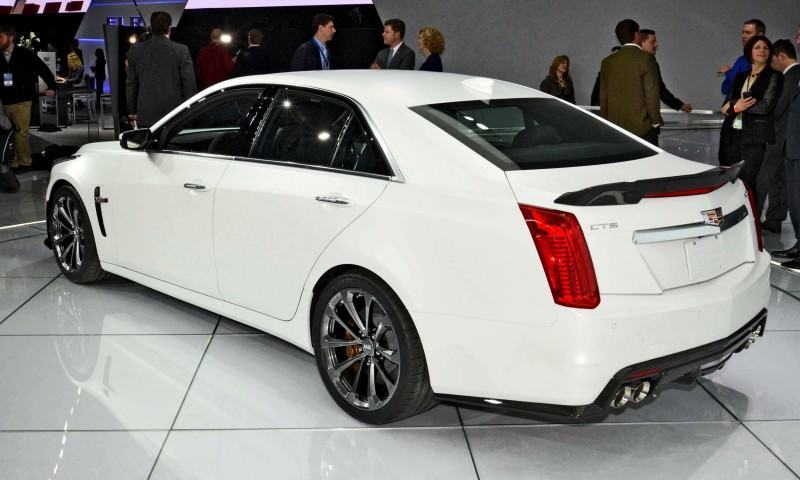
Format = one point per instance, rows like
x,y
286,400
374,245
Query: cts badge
x,y
713,217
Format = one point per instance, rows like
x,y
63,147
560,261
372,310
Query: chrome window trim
x,y
213,156
284,163
396,177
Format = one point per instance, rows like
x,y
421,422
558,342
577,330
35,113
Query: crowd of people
x,y
760,132
761,129
162,65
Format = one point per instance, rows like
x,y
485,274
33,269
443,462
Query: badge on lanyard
x,y
737,122
8,80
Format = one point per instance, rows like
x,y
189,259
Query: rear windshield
x,y
533,133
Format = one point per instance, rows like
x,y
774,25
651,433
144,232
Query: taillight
x,y
756,217
684,193
565,256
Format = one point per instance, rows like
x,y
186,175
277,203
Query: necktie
x,y
391,56
325,63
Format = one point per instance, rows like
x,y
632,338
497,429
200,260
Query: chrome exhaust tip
x,y
640,391
752,338
622,397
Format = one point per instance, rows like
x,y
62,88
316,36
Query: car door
x,y
165,195
314,168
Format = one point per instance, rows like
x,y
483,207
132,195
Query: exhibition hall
x,y
394,239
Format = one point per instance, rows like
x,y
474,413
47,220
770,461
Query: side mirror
x,y
137,139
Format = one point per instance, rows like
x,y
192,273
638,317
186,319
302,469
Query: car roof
x,y
396,87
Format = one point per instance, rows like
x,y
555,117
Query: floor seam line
x,y
741,422
183,400
791,294
23,238
758,439
37,292
469,447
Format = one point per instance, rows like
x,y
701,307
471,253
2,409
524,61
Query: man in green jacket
x,y
629,86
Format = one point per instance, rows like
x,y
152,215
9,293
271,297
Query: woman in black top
x,y
431,42
558,83
748,125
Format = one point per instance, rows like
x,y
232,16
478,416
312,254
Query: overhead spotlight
x,y
481,126
225,38
324,136
132,39
287,104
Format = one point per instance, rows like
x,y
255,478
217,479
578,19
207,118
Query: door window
x,y
310,129
303,128
358,151
221,125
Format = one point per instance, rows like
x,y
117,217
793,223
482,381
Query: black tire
x,y
412,393
63,230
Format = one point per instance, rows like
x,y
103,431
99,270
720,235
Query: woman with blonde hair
x,y
431,42
558,83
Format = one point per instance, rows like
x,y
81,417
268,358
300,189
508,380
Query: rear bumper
x,y
682,366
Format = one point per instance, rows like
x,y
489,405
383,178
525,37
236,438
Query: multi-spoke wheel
x,y
70,233
368,351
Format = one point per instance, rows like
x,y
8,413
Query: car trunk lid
x,y
641,239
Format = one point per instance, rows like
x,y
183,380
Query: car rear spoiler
x,y
630,193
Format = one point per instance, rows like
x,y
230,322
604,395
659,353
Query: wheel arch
x,y
333,272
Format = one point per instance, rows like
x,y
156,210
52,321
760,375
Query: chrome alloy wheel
x,y
359,349
67,233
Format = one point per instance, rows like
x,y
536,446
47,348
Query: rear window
x,y
533,133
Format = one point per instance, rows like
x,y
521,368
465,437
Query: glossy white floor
x,y
115,381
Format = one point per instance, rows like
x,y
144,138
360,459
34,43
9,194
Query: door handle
x,y
337,199
194,186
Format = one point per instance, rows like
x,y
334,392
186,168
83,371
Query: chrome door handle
x,y
333,199
194,186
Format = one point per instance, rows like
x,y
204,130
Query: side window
x,y
219,125
358,152
303,128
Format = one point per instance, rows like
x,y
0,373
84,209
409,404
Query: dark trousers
x,y
792,169
652,136
771,184
751,153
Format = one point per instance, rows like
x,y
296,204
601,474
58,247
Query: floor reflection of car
x,y
428,237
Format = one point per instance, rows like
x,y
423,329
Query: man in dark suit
x,y
629,95
314,54
787,145
160,74
771,177
20,68
253,60
792,165
397,56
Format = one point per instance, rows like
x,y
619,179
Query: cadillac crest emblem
x,y
713,217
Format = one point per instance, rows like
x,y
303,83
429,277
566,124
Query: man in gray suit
x,y
771,178
397,56
160,74
792,165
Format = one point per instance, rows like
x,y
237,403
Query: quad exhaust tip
x,y
633,393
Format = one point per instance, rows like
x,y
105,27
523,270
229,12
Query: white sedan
x,y
427,237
